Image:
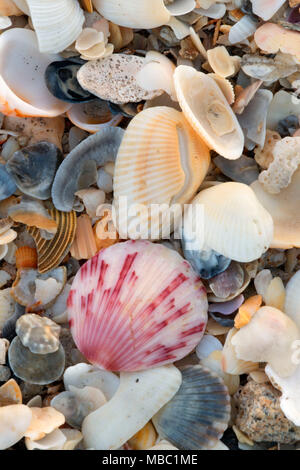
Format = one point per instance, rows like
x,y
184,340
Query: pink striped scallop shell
x,y
136,305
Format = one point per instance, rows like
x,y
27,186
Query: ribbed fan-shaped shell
x,y
57,23
136,305
235,223
208,112
161,160
52,252
26,257
198,414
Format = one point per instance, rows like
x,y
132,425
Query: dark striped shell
x,y
198,415
52,252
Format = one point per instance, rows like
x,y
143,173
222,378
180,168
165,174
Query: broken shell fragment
x,y
84,245
267,9
82,164
243,170
285,162
247,310
235,224
284,209
138,14
241,30
231,364
93,116
208,112
61,81
7,184
168,276
272,38
9,8
57,23
198,414
10,393
53,441
25,94
161,160
76,404
32,288
113,79
268,337
222,63
39,334
14,421
52,252
139,397
32,212
44,421
38,369
292,299
33,168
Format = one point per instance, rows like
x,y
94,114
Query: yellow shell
x,y
84,244
10,393
87,5
144,439
161,160
52,252
26,257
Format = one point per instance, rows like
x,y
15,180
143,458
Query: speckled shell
x,y
198,414
52,252
136,305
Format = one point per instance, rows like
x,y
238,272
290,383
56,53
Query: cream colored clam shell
x,y
284,209
25,94
207,110
139,14
289,387
57,23
235,224
292,298
230,362
140,396
222,63
161,160
14,421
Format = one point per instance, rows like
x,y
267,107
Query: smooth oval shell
x,y
14,421
161,160
57,23
25,94
198,414
139,397
81,164
148,299
37,369
61,81
208,112
139,14
33,168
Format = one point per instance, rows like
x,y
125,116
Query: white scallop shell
x,y
57,23
208,112
235,224
25,94
139,14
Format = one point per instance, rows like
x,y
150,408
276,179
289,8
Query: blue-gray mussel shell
x,y
7,184
243,170
39,369
198,414
33,168
79,168
206,263
61,81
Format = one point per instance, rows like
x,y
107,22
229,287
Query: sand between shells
x,y
149,224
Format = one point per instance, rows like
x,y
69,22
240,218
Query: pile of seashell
x,y
149,224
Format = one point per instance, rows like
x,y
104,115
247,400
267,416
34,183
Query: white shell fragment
x,y
157,74
53,441
289,387
44,421
139,397
85,375
14,421
244,28
292,299
267,8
